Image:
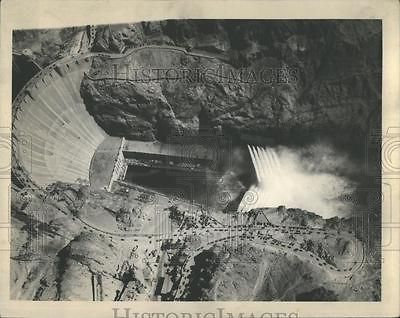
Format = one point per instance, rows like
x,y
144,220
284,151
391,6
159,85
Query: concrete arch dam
x,y
54,137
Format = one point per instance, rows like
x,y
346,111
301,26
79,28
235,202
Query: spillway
x,y
54,137
268,171
283,179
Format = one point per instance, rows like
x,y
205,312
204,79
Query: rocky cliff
x,y
336,82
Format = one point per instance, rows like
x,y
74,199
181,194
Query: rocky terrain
x,y
336,88
250,274
56,254
246,272
44,46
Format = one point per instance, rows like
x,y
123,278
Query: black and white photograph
x,y
198,160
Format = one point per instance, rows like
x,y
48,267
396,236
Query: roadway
x,y
264,237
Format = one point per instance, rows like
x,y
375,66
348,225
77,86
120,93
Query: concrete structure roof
x,y
174,150
103,161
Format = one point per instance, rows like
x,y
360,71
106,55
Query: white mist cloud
x,y
306,179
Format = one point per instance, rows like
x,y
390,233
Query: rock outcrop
x,y
336,86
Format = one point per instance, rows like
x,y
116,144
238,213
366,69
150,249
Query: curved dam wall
x,y
54,137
